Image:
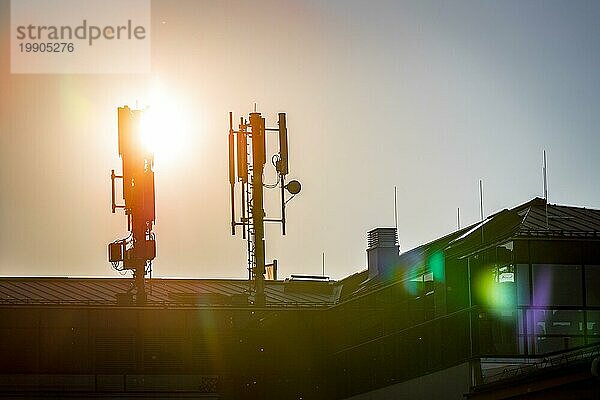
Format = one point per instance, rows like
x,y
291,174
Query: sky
x,y
427,96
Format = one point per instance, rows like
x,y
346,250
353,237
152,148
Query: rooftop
x,y
531,219
164,292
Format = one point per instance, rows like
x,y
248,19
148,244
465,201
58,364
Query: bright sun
x,y
163,128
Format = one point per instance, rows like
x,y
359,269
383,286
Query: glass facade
x,y
556,305
592,285
519,298
557,284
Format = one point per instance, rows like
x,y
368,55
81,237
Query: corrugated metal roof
x,y
525,220
528,219
163,292
531,219
565,219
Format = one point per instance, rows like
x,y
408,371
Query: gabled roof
x,y
164,292
565,220
534,218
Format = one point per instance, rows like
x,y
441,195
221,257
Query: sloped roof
x,y
531,219
164,292
534,218
525,220
566,220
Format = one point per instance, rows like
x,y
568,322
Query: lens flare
x,y
161,131
164,128
437,266
496,294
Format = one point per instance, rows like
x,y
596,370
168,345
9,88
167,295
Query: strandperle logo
x,y
80,36
83,31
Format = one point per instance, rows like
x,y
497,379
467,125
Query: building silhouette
x,y
508,307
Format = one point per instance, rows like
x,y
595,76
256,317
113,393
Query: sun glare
x,y
163,128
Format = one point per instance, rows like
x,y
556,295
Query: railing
x,y
557,233
162,304
558,360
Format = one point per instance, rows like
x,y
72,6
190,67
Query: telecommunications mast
x,y
247,155
138,249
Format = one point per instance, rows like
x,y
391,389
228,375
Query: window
x,y
457,284
593,323
558,322
592,285
523,284
556,330
556,284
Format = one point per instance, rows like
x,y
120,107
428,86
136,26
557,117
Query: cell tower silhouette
x,y
138,249
247,158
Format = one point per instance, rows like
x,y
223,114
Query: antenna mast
x,y
545,171
481,207
481,198
138,249
250,142
396,208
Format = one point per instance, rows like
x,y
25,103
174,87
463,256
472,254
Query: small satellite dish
x,y
293,187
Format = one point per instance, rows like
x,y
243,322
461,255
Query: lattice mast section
x,y
247,161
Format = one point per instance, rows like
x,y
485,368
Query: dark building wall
x,y
451,383
393,334
430,321
254,353
530,297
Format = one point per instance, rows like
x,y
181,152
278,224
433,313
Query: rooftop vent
x,y
382,237
383,250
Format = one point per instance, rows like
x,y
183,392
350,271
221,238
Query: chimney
x,y
383,251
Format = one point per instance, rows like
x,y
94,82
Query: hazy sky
x,y
428,96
